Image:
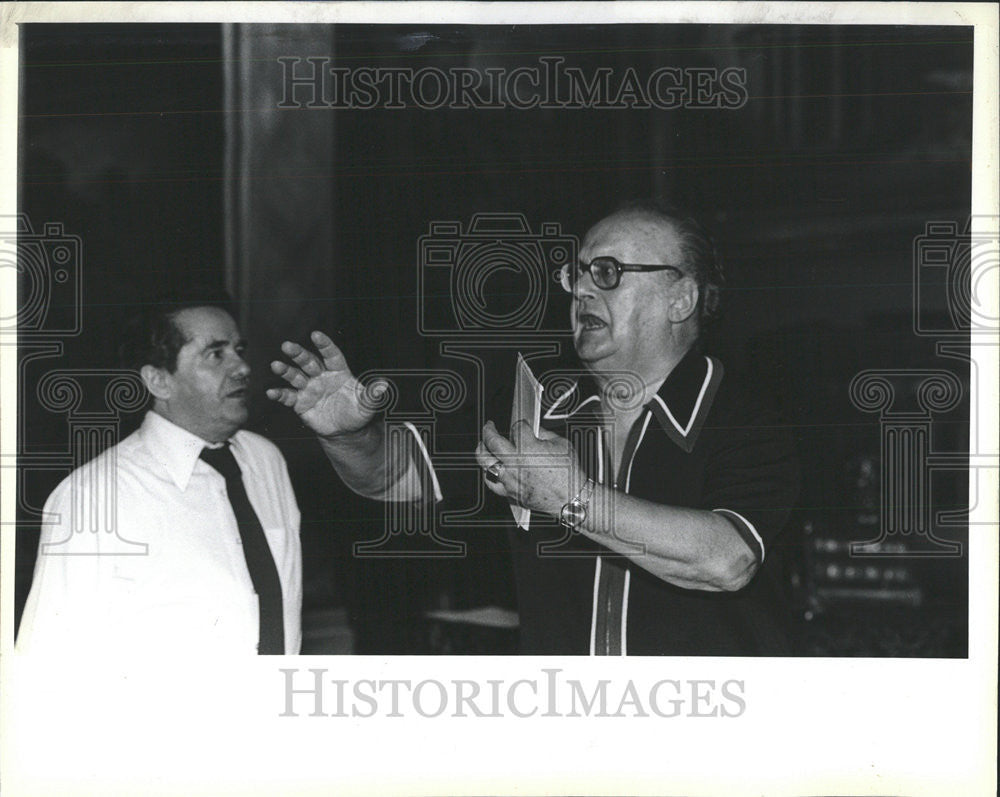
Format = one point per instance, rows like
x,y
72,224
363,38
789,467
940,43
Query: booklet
x,y
527,406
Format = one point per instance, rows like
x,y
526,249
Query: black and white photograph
x,y
372,372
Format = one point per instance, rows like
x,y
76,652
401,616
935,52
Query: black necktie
x,y
260,563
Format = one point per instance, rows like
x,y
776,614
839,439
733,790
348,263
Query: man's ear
x,y
157,381
684,301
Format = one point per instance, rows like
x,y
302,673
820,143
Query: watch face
x,y
573,514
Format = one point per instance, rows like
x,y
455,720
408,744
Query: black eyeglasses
x,y
606,272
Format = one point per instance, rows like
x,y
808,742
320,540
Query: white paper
x,y
527,406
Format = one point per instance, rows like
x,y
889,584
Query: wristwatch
x,y
574,513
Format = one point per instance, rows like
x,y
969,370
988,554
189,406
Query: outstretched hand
x,y
322,390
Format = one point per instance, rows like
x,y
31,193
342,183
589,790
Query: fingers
x,y
496,488
330,356
282,395
485,458
492,448
496,443
333,357
293,376
520,432
303,358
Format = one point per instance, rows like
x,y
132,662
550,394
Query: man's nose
x,y
241,368
584,284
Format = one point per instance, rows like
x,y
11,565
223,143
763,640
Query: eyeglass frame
x,y
620,268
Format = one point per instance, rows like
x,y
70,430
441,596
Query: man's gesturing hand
x,y
324,392
541,473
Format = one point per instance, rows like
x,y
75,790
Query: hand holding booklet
x,y
527,406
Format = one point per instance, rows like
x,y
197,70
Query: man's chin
x,y
589,351
239,411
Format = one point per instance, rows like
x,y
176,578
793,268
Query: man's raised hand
x,y
323,392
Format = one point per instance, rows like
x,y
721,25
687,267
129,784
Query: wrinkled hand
x,y
323,392
540,473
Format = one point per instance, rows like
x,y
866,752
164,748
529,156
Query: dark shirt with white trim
x,y
705,441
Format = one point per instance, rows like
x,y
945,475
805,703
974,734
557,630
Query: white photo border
x,y
848,726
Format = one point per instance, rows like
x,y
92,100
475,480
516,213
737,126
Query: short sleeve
x,y
420,459
752,478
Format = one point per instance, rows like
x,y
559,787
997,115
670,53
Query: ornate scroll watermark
x,y
48,262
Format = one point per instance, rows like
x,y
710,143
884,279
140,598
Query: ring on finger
x,y
494,473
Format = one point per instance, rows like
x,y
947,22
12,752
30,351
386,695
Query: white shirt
x,y
140,550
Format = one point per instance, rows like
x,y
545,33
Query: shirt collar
x,y
175,448
679,406
685,397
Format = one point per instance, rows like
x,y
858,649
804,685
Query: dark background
x,y
853,138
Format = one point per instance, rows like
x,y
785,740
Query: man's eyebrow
x,y
221,344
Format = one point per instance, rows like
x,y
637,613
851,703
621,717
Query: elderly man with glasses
x,y
669,478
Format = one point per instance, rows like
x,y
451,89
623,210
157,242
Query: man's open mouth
x,y
241,392
587,322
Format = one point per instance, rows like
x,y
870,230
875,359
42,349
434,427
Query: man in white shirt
x,y
148,547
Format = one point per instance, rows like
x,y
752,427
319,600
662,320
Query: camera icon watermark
x,y
955,274
495,278
47,264
47,270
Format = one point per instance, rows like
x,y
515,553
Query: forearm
x,y
371,468
691,548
